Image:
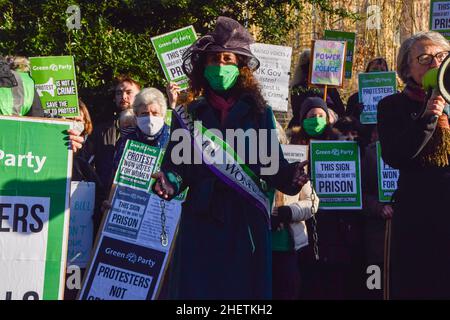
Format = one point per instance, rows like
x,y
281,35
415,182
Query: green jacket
x,y
17,100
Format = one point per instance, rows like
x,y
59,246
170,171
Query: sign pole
x,y
387,260
325,93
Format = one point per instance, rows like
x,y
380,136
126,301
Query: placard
x,y
273,73
387,178
35,172
349,37
374,86
336,173
440,17
56,85
169,48
327,63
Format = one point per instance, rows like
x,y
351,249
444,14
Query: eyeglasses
x,y
427,59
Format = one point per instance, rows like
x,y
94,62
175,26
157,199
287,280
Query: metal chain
x,y
164,240
315,236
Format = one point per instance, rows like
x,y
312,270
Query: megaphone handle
x,y
435,117
419,114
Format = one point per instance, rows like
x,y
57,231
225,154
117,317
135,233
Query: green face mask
x,y
314,126
221,78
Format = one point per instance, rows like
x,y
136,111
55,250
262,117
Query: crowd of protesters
x,y
225,249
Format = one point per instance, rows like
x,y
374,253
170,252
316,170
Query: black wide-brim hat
x,y
228,36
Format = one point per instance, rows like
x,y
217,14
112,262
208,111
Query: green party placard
x,y
349,37
35,171
137,164
169,48
55,83
336,174
440,17
374,86
387,178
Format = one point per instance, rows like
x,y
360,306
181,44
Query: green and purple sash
x,y
225,163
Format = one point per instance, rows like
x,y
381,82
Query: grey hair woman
x,y
420,148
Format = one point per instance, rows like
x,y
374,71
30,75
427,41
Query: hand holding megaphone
x,y
435,105
436,82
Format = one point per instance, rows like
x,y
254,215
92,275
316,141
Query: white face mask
x,y
150,125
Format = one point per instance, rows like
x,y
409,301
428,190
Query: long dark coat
x,y
420,245
223,248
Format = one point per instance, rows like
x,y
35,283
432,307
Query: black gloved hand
x,y
284,216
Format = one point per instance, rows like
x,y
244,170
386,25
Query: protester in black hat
x,y
336,274
314,120
223,248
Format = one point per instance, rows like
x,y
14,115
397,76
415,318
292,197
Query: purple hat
x,y
228,36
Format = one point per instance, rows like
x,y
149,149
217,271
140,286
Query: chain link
x,y
164,240
315,236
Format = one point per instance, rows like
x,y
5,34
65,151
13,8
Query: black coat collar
x,y
202,110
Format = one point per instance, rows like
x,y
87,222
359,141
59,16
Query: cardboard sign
x,y
35,171
273,73
440,17
295,152
374,86
387,178
169,48
129,258
129,261
81,228
328,61
336,173
55,83
349,37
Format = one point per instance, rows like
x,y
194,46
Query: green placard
x,y
169,48
350,38
137,165
35,171
374,86
335,170
55,82
387,178
440,17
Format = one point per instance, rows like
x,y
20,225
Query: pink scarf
x,y
221,104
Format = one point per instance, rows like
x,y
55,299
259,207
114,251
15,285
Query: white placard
x,y
273,73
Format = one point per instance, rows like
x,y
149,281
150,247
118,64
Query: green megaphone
x,y
430,79
436,79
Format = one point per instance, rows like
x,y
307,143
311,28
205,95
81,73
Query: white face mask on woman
x,y
150,125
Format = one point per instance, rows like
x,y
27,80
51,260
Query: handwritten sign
x,y
81,227
328,61
273,73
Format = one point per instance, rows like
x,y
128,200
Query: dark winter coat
x,y
223,248
420,259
